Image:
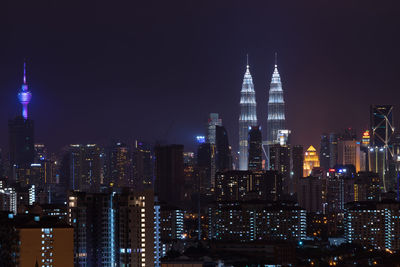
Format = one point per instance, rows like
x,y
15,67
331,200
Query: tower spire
x,y
276,59
247,60
24,79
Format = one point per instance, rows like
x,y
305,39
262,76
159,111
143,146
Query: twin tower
x,y
248,113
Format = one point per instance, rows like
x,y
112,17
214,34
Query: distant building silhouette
x,y
169,173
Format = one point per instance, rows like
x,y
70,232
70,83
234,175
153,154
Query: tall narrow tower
x,y
24,96
276,107
247,118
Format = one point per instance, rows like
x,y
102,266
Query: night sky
x,y
153,70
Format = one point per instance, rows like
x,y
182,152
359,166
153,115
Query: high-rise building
x,y
203,167
93,219
367,187
21,135
311,160
324,152
143,165
298,161
223,156
112,229
333,150
381,151
255,149
119,168
340,188
135,229
276,108
349,153
310,193
84,167
21,143
247,118
280,161
169,173
213,122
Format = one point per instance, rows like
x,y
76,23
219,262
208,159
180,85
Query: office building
x,y
297,162
310,193
340,188
349,153
223,156
255,149
333,150
213,122
324,155
247,118
143,165
118,166
82,167
280,161
381,152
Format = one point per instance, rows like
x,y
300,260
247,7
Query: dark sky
x,y
155,69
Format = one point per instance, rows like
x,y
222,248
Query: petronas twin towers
x,y
248,113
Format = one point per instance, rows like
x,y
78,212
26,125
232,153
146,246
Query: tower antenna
x,y
24,79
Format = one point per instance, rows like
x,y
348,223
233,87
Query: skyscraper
x,y
84,167
276,108
280,161
381,151
118,163
213,122
169,173
297,164
21,133
223,157
349,153
255,149
143,167
324,152
333,149
247,118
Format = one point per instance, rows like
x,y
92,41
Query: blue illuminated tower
x,y
24,96
247,118
276,108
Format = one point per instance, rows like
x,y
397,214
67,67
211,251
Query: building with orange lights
x,y
311,160
42,240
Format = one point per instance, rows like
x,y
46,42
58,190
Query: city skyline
x,y
80,88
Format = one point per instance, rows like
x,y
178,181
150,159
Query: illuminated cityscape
x,y
144,145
